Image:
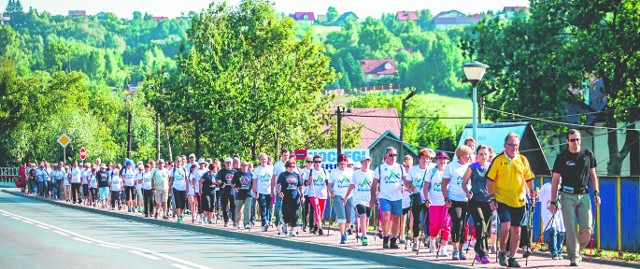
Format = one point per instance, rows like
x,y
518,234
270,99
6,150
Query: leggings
x,y
308,213
458,213
439,221
290,211
481,214
115,196
418,208
94,194
318,208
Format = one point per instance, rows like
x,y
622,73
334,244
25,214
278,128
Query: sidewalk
x,y
330,244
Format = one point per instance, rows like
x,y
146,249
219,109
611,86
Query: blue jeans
x,y
554,241
266,211
278,209
41,188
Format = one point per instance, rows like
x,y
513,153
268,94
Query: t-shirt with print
x,y
242,181
93,183
139,179
208,183
129,176
391,181
416,175
116,183
574,169
289,183
179,175
161,179
262,175
225,176
362,187
103,179
318,188
434,177
341,181
455,171
75,174
146,180
509,177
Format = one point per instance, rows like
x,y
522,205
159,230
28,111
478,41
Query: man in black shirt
x,y
223,179
575,171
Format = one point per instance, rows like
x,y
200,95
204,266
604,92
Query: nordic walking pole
x,y
330,211
545,228
375,222
594,232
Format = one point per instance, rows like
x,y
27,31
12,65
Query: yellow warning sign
x,y
64,140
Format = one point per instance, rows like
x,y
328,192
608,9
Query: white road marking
x,y
60,233
82,240
27,222
5,215
15,218
180,266
148,256
108,246
43,227
91,240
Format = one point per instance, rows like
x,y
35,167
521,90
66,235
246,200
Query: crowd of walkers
x,y
473,200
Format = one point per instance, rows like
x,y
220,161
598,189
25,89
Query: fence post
x,y
619,207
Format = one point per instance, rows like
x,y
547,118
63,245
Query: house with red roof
x,y
407,15
375,69
303,17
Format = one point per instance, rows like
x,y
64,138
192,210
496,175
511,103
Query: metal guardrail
x,y
9,174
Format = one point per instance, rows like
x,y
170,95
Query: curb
x,y
367,256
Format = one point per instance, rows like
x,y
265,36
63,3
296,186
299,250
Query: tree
x,y
345,83
332,14
252,84
562,44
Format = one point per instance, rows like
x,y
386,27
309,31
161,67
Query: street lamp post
x,y
340,113
127,100
404,106
474,71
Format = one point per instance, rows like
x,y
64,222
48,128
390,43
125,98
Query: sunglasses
x,y
574,139
291,167
392,155
309,161
511,145
317,161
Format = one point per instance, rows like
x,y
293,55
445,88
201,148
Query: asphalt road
x,y
34,234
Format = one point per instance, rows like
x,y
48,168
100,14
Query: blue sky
x,y
173,8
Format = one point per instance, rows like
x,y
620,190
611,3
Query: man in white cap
x,y
190,162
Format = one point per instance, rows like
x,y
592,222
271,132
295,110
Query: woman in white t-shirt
x,y
115,185
317,185
419,211
307,211
456,198
93,186
261,180
339,181
129,179
439,220
139,198
361,187
194,182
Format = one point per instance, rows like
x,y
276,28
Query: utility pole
x,y
339,111
130,135
404,107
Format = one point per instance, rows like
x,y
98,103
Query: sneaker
x,y
393,244
432,246
461,256
574,263
291,234
477,258
284,229
526,252
155,215
320,231
343,239
364,240
226,224
247,227
235,225
502,258
380,234
401,240
414,246
349,231
304,229
512,262
385,242
443,251
485,260
455,256
179,219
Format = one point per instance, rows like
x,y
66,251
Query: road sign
x,y
83,154
64,140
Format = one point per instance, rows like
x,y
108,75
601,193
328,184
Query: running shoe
x,y
320,231
401,240
393,244
291,234
414,246
179,219
455,256
385,242
485,260
513,263
343,239
226,224
502,258
304,229
247,227
264,228
349,231
284,229
364,240
461,256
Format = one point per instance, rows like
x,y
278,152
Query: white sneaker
x,y
432,246
443,251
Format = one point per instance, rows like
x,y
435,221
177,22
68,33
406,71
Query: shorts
x,y
343,213
160,196
207,202
405,210
395,207
180,198
129,193
512,214
363,210
104,193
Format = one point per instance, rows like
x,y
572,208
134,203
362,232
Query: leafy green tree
x,y
377,40
353,70
345,83
332,14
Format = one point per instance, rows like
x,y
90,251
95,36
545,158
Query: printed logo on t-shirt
x,y
459,180
229,177
392,177
245,182
436,187
570,163
319,181
265,177
365,185
343,182
292,183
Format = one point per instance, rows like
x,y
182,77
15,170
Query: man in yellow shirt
x,y
510,177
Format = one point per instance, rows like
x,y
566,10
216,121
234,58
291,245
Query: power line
x,y
407,117
555,122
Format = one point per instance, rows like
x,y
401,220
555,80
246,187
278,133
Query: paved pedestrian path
x,y
329,242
